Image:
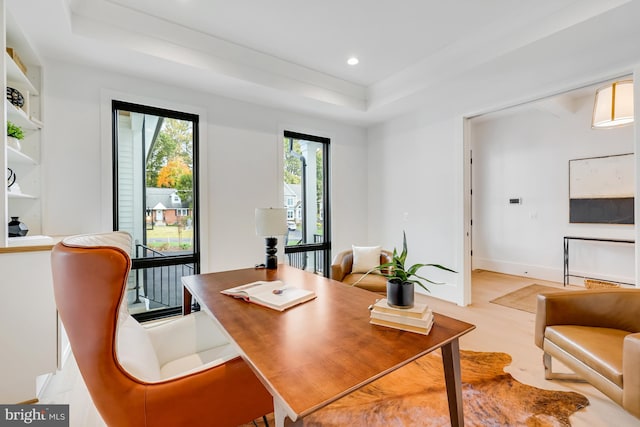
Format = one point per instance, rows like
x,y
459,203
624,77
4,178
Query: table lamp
x,y
271,222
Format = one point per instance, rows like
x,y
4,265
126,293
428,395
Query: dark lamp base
x,y
271,261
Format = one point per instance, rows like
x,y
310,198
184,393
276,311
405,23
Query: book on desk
x,y
272,294
417,319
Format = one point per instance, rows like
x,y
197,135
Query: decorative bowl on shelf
x,y
15,97
11,177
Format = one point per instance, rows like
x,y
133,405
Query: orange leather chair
x,y
342,271
177,373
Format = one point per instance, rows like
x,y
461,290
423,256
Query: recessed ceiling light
x,y
352,61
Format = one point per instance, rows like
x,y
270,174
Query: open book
x,y
275,295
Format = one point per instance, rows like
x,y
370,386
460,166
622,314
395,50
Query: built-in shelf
x,y
16,156
20,118
17,77
27,241
20,196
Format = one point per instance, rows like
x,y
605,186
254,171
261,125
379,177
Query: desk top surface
x,y
319,351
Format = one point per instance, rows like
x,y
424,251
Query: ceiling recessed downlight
x,y
353,61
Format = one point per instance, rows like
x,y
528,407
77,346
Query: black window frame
x,y
326,209
141,263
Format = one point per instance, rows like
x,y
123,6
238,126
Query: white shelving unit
x,y
22,200
30,347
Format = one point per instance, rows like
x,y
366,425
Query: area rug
x,y
415,395
524,299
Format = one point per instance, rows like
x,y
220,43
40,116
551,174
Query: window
x,y
155,193
306,162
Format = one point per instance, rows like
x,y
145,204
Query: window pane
x,y
155,182
304,190
155,200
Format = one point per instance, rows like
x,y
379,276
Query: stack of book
x,y
417,319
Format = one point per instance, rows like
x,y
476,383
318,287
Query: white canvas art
x,y
602,189
602,177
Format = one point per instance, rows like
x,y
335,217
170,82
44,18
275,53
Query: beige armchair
x,y
595,333
342,271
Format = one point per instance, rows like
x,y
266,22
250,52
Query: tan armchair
x,y
341,270
595,333
176,373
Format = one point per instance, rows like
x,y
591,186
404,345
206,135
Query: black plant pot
x,y
400,294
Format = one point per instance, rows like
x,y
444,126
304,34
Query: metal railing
x,y
300,257
298,260
161,285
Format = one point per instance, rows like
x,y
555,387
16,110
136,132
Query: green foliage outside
x,y
170,162
170,238
170,165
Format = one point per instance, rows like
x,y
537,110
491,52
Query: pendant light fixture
x,y
613,105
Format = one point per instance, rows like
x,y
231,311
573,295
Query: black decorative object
x,y
400,294
17,228
271,250
271,222
11,179
15,97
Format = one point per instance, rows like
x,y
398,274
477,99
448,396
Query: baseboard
x,y
516,269
544,273
41,383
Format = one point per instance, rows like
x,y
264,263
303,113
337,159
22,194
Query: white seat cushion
x,y
198,361
185,336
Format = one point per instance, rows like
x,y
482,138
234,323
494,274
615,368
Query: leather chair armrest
x,y
631,374
341,265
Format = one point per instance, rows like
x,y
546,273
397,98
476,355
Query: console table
x,y
567,239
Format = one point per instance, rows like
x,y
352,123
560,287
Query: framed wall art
x,y
602,189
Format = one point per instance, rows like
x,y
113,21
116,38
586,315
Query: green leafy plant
x,y
396,271
14,130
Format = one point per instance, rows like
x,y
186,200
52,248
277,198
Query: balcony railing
x,y
160,285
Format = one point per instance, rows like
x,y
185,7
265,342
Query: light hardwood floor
x,y
498,329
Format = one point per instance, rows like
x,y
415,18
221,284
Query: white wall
x,y
413,187
242,143
433,135
525,154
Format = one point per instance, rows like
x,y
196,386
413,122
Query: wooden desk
x,y
319,351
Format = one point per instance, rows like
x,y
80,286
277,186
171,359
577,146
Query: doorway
x,y
519,204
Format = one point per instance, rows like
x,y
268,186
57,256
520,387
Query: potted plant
x,y
14,135
401,279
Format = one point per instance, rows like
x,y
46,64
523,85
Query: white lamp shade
x,y
613,105
271,222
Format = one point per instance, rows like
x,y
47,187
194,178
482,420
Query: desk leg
x,y
186,301
453,379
